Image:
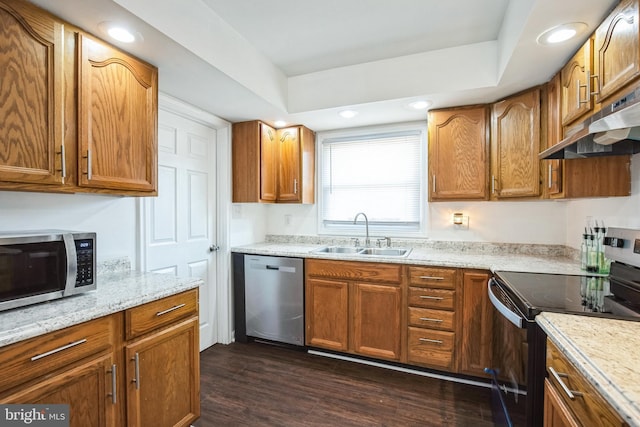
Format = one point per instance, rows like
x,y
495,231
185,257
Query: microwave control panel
x,y
85,256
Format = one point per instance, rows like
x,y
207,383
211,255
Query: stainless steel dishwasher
x,y
274,298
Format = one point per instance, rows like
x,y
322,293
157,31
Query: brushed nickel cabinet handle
x,y
429,319
295,186
136,379
431,278
63,162
493,184
571,394
169,310
434,183
550,174
429,340
88,157
114,384
431,297
596,85
57,350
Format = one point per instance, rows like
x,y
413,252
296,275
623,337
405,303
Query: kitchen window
x,y
378,171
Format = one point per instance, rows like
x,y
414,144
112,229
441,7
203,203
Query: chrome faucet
x,y
367,242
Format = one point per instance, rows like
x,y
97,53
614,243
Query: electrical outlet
x,y
287,219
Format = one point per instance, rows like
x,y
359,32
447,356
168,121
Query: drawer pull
x,y
431,278
169,310
429,340
431,297
56,350
114,383
429,319
571,394
136,379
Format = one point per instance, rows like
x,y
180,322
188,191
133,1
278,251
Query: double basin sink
x,y
354,250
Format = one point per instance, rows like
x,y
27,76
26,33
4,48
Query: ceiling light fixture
x,y
561,33
119,32
279,123
348,114
420,105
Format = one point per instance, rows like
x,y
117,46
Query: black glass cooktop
x,y
537,292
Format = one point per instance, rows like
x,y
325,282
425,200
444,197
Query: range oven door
x,y
517,364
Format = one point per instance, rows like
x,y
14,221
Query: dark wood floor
x,y
258,384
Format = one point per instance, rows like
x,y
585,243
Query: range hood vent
x,y
614,130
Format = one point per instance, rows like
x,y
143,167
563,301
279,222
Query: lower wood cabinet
x,y
108,378
477,324
354,307
163,385
87,388
569,398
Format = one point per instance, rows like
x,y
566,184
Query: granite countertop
x,y
457,257
116,291
605,351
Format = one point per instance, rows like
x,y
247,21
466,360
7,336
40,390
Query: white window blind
x,y
378,174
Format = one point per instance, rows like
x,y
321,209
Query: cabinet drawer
x,y
369,271
432,298
433,319
587,404
42,355
430,347
444,278
153,315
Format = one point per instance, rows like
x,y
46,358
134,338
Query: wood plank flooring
x,y
256,384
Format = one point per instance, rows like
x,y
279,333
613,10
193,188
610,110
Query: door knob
x,y
214,248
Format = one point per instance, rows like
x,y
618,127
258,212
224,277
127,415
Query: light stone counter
x,y
118,288
605,351
461,257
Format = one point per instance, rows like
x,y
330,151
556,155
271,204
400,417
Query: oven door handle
x,y
513,317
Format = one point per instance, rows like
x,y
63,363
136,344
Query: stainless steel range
x,y
519,297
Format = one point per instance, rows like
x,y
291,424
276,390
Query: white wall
x,y
547,222
248,223
114,219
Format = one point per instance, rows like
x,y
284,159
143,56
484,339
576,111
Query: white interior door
x,y
180,223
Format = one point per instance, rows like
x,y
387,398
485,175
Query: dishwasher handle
x,y
272,267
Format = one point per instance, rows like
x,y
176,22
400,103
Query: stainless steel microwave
x,y
37,266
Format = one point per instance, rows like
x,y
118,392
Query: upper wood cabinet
x,y
458,154
617,49
77,114
576,81
117,117
272,165
515,145
31,95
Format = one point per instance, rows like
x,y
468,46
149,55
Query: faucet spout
x,y
367,242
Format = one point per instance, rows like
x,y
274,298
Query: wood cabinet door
x,y
617,49
289,169
268,163
458,154
163,377
477,324
117,119
515,145
376,320
556,413
31,99
86,388
327,314
576,79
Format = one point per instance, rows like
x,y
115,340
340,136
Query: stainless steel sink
x,y
339,250
385,251
354,250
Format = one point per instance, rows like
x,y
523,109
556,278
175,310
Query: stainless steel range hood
x,y
614,130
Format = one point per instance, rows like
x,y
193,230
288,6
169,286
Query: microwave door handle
x,y
72,263
505,311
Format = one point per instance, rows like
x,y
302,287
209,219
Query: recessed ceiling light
x,y
279,123
119,32
348,114
561,33
420,105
